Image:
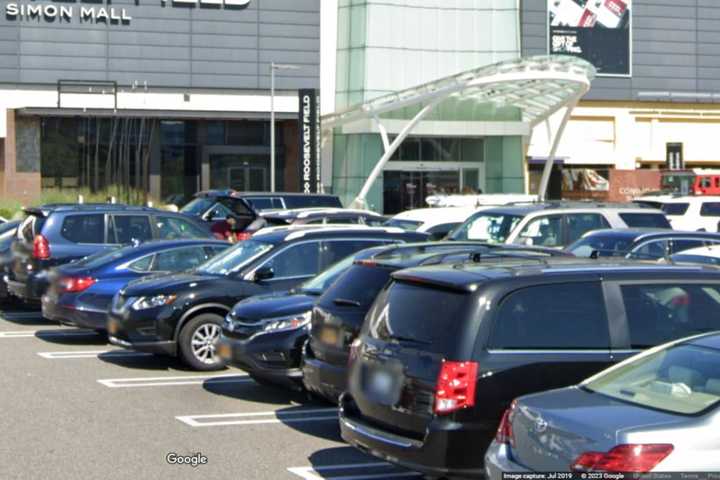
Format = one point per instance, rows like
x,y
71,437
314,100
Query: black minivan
x,y
445,349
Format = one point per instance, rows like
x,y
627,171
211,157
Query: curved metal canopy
x,y
538,86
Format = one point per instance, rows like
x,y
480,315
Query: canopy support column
x,y
545,180
390,148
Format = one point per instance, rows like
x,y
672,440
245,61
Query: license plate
x,y
381,383
329,336
224,351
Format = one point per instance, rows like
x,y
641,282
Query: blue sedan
x,y
81,292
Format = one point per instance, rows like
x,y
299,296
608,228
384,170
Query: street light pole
x,y
274,66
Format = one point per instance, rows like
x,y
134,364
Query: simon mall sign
x,y
61,12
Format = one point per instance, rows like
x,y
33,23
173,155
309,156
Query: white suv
x,y
692,213
554,224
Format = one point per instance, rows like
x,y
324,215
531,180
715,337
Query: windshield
x,y
100,258
605,245
489,227
682,379
690,258
409,225
197,206
235,257
317,285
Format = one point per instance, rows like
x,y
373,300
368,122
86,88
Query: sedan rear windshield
x,y
682,379
605,245
675,208
409,225
645,220
418,316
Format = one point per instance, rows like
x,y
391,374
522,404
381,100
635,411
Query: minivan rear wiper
x,y
346,301
399,339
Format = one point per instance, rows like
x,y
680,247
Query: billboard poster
x,y
598,31
309,133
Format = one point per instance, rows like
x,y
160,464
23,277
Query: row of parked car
x,y
430,348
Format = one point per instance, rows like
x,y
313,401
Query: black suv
x,y
54,235
339,313
445,349
182,314
265,335
215,206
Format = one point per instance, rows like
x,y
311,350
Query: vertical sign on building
x,y
595,30
309,133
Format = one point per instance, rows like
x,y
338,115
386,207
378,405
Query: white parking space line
x,y
47,333
300,415
383,470
174,381
91,354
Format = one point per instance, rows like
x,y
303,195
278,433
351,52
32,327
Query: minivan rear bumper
x,y
29,291
447,449
322,378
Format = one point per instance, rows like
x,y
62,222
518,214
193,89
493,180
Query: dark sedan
x,y
640,243
81,292
182,314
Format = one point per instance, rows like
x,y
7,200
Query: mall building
x,y
173,96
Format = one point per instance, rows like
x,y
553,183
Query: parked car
x,y
656,412
322,216
81,292
438,222
54,235
182,314
215,206
8,231
265,335
640,243
445,349
554,224
709,255
339,312
696,213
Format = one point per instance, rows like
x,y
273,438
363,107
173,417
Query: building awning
x,y
159,114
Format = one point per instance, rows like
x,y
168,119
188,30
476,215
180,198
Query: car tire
x,y
196,342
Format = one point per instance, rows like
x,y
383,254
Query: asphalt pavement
x,y
74,407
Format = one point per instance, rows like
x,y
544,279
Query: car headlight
x,y
291,322
229,323
143,303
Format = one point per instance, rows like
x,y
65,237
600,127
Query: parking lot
x,y
76,407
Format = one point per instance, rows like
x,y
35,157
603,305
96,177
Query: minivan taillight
x,y
623,458
455,387
505,431
76,284
41,247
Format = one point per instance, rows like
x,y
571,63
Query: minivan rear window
x,y
418,316
359,284
645,220
710,209
88,228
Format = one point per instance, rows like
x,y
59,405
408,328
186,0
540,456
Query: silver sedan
x,y
657,411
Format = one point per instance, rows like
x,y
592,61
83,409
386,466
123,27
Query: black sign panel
x,y
309,133
595,30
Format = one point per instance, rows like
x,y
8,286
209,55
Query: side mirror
x,y
264,273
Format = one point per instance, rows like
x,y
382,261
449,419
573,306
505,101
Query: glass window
x,y
442,229
409,225
710,209
317,285
682,379
688,258
675,208
645,220
216,132
578,224
234,258
490,227
606,245
88,228
215,250
555,317
170,228
333,252
180,259
677,246
542,231
246,132
650,251
197,206
143,264
302,260
416,314
265,203
129,228
660,313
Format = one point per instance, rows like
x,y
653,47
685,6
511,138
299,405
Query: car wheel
x,y
198,341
